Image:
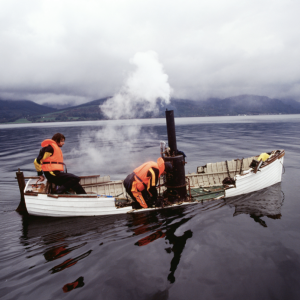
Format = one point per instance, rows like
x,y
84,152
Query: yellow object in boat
x,y
263,156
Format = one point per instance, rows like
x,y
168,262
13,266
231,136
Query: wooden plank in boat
x,y
89,176
205,180
96,183
94,180
214,168
209,168
248,162
211,179
219,167
72,196
30,194
30,177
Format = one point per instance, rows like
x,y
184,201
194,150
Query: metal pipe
x,y
171,131
162,148
175,180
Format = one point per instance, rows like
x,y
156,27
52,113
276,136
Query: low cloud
x,y
80,49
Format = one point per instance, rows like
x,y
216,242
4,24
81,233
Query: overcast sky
x,y
71,50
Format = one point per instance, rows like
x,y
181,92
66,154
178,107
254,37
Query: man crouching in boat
x,y
50,161
141,184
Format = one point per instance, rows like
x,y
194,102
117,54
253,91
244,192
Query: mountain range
x,y
13,110
28,111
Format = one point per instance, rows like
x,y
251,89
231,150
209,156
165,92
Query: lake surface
x,y
242,248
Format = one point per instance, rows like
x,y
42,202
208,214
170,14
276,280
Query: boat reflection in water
x,y
73,285
166,231
164,224
266,202
89,246
58,239
66,242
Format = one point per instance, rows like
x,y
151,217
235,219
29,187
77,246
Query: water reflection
x,y
54,235
58,252
266,202
87,248
54,230
78,283
167,229
178,243
69,262
64,242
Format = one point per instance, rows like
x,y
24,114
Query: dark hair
x,y
58,137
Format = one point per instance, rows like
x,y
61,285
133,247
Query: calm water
x,y
242,248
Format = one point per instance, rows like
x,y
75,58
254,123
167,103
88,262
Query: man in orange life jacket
x,y
141,184
50,162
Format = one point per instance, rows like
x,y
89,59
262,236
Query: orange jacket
x,y
141,172
56,161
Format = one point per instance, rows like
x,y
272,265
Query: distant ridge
x,y
249,105
231,106
12,110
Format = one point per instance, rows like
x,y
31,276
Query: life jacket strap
x,y
140,180
55,162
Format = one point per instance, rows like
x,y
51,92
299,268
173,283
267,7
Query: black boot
x,y
60,190
136,205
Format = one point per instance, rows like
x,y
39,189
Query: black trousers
x,y
128,185
65,181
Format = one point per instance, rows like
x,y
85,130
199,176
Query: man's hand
x,y
41,178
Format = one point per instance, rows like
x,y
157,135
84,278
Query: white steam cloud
x,y
114,147
142,90
140,94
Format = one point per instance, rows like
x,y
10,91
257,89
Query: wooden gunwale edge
x,y
96,183
71,196
89,176
31,194
278,156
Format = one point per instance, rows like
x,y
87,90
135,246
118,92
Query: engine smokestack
x,y
171,131
175,180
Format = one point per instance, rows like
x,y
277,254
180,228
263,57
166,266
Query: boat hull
x,y
42,205
252,182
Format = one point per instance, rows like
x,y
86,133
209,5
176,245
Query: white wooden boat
x,y
106,197
246,179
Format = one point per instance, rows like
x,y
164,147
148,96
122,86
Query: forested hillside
x,y
28,111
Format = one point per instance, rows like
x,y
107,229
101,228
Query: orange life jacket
x,y
54,162
141,172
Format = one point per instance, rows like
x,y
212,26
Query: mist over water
x,y
242,248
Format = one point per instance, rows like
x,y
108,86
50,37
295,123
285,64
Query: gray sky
x,y
71,50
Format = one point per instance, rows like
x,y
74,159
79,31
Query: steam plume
x,y
142,90
103,148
